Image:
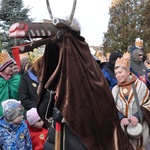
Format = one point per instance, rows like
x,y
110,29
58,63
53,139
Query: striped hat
x,y
32,116
5,60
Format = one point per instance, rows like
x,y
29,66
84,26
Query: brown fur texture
x,y
84,98
146,115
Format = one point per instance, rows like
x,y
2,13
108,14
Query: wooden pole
x,y
58,136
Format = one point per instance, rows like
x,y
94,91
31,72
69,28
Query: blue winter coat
x,y
14,138
110,77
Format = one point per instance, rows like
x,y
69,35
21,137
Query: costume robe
x,y
83,95
129,107
9,89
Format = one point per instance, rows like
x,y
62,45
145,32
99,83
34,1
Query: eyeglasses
x,y
140,54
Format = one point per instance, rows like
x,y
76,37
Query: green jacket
x,y
9,89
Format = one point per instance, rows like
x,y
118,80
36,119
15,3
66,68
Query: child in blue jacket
x,y
14,133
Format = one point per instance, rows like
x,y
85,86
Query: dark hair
x,y
113,56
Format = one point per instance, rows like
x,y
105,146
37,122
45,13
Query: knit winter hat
x,y
32,116
12,109
5,60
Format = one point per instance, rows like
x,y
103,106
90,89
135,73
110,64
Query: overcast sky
x,y
92,15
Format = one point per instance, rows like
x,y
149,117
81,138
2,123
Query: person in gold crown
x,y
129,112
9,82
29,82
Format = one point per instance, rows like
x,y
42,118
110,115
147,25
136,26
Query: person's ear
x,y
128,72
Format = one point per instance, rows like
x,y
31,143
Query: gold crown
x,y
4,57
148,55
127,55
138,42
100,56
35,55
122,62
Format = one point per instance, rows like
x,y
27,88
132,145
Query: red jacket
x,y
38,137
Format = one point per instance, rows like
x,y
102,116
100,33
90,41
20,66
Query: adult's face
x,y
141,56
121,74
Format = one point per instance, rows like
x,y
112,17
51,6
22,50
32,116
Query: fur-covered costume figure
x,y
83,96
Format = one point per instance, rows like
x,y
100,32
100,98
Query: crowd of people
x,y
22,127
128,80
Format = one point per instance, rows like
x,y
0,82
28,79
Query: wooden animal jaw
x,y
46,31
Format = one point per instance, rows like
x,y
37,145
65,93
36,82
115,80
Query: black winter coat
x,y
72,142
28,90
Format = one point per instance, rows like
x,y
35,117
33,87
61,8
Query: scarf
x,y
6,77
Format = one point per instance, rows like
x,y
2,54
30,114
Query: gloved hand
x,y
57,116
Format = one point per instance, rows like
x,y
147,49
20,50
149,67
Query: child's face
x,y
18,120
38,124
8,70
121,74
15,68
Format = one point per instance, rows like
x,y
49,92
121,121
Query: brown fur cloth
x,y
146,116
84,98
